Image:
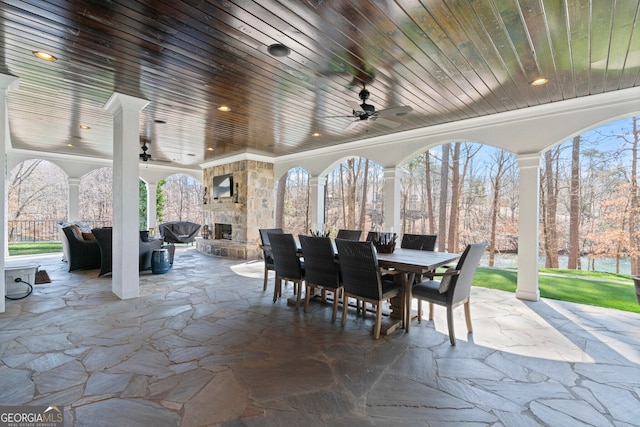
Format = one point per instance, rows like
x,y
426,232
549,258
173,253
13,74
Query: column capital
x,y
529,160
391,172
120,101
318,180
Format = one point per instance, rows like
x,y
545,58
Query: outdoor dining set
x,y
373,271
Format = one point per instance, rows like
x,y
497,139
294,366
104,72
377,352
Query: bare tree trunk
x,y
634,238
282,187
551,229
351,194
307,219
444,185
455,196
342,197
404,213
574,207
496,184
427,169
363,204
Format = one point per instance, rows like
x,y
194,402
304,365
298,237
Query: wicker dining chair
x,y
361,278
423,242
288,265
321,270
453,289
349,234
266,253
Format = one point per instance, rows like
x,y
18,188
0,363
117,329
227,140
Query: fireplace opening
x,y
223,232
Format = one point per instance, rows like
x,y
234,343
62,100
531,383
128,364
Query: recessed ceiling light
x,y
539,81
224,108
278,50
44,55
85,127
315,134
69,145
210,149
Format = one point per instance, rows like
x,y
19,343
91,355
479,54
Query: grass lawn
x,y
34,248
599,289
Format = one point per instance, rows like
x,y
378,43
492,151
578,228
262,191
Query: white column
x,y
528,225
126,143
7,83
152,188
392,199
316,202
73,207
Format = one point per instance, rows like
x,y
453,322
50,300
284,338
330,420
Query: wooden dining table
x,y
409,263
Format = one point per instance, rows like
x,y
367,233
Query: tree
x,y
444,185
573,262
351,177
634,236
363,202
37,191
455,197
502,164
161,201
296,202
142,202
96,197
428,191
183,198
549,207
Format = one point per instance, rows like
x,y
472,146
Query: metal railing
x,y
40,230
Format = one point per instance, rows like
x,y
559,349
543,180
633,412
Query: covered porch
x,y
204,345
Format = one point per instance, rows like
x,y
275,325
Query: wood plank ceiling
x,y
447,59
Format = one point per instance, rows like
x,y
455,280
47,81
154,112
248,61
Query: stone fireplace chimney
x,y
234,221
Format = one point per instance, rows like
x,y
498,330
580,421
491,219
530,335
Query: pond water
x,y
607,265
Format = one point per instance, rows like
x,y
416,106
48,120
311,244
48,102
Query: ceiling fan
x,y
367,112
145,157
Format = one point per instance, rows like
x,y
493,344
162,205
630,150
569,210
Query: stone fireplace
x,y
234,221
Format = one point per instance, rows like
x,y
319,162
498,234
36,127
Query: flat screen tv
x,y
222,186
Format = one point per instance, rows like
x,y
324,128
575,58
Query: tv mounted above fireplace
x,y
222,186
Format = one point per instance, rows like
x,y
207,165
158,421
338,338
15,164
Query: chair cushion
x,y
88,236
429,290
444,283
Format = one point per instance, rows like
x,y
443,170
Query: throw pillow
x,y
76,231
445,282
88,236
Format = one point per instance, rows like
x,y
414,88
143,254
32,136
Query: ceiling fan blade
x,y
355,106
385,122
352,125
395,111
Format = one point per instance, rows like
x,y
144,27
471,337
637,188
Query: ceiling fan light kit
x,y
367,112
144,156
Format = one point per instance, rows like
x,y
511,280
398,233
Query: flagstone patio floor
x,y
203,345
